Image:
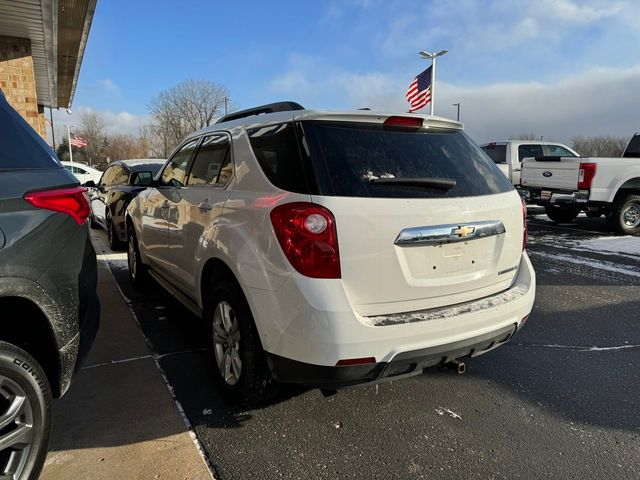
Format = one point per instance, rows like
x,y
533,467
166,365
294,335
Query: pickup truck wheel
x,y
625,216
561,214
138,273
25,414
240,368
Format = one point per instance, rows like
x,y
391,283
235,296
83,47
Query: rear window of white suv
x,y
371,160
348,159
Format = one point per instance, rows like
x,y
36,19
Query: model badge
x,y
463,231
546,173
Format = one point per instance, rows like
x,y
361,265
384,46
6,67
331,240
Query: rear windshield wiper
x,y
444,184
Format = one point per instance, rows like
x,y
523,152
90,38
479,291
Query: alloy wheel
x,y
16,428
631,215
226,343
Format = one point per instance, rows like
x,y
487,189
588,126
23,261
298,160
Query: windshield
x,y
348,158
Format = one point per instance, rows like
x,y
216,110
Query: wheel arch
x,y
214,270
33,334
628,186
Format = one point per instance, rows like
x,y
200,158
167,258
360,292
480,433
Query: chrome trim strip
x,y
450,233
513,293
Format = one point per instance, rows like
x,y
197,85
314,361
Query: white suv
x,y
335,248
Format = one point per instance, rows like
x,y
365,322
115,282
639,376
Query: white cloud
x,y
116,122
593,102
109,85
587,12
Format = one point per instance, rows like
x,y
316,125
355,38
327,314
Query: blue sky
x,y
558,68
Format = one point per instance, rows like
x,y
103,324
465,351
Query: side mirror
x,y
141,179
89,184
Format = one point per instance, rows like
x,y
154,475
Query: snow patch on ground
x,y
442,411
626,245
587,262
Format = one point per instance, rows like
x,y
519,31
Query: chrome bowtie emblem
x,y
463,231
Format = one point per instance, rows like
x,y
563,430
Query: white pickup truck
x,y
598,186
508,155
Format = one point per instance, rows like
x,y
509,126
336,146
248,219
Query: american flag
x,y
419,92
78,141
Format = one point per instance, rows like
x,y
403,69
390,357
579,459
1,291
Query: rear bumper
x,y
556,197
405,364
306,335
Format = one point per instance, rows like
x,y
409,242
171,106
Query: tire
x,y
112,236
22,377
560,214
138,271
249,383
625,215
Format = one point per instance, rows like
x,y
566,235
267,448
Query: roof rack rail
x,y
270,108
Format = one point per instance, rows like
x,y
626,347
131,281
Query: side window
x,y
226,171
558,151
69,168
633,149
276,148
497,153
108,176
212,156
525,151
121,177
175,171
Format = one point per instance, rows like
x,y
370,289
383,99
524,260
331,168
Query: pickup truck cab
x,y
566,186
508,155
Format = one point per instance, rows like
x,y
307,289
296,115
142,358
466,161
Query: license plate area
x,y
429,262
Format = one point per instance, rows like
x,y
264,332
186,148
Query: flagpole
x,y
433,85
69,140
432,56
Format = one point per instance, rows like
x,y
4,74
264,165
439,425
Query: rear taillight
x,y
71,201
525,228
586,174
307,234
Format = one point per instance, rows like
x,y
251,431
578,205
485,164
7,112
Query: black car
x,y
48,302
119,184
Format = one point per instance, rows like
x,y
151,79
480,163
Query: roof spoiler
x,y
269,108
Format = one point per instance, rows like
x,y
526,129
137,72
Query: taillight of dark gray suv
x,y
49,309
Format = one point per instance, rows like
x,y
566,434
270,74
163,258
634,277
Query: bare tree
x,y
602,146
92,127
123,146
157,140
184,108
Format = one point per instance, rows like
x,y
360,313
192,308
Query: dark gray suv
x,y
49,310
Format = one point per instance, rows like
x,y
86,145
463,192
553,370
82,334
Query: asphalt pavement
x,y
559,401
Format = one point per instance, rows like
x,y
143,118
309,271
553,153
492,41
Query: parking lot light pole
x,y
458,116
433,57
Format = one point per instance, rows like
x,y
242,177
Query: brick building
x,y
41,47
